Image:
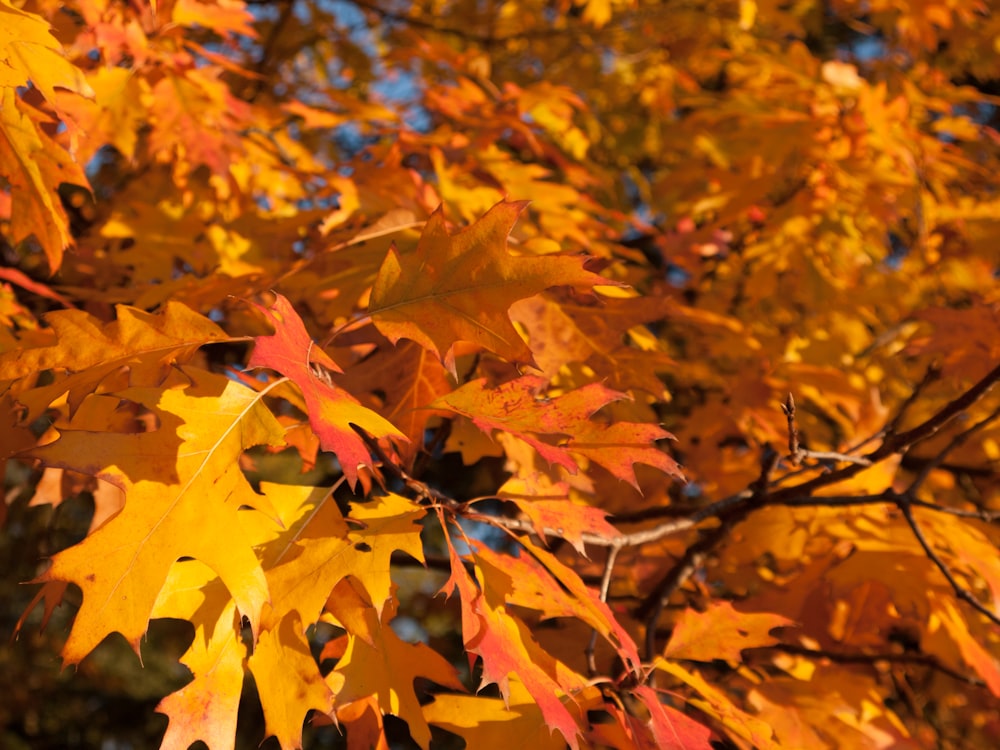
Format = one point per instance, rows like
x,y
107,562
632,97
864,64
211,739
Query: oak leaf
x,y
715,703
670,729
406,379
561,429
493,723
206,708
35,165
317,554
29,52
225,17
86,351
333,412
564,330
507,648
167,475
721,632
539,580
324,550
459,287
288,681
386,670
563,518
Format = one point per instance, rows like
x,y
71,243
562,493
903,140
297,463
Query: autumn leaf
x,y
404,380
206,708
35,165
492,723
386,669
29,52
563,331
540,581
459,287
196,119
561,428
507,648
226,18
564,519
323,552
731,206
333,412
86,351
166,474
713,702
670,729
721,632
282,666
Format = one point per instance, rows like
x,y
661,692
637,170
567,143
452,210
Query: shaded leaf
x,y
721,632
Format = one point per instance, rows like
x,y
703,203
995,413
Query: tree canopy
x,y
588,373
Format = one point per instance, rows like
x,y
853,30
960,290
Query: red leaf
x,y
333,412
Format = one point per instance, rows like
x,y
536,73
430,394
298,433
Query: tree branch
x,y
841,657
961,592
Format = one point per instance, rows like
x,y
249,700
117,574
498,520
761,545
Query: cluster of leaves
x,y
359,415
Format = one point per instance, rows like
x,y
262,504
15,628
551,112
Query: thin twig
x,y
609,566
954,443
901,441
652,608
793,432
961,592
840,657
832,456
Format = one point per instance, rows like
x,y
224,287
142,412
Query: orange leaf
x,y
409,378
288,681
540,581
325,551
507,648
89,351
715,703
671,729
494,724
30,53
560,429
721,632
565,519
459,287
224,17
206,708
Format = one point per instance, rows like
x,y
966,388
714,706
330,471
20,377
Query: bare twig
x,y
793,432
832,456
840,657
898,442
693,558
955,442
609,566
905,505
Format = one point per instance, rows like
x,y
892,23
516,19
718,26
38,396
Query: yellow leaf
x,y
166,474
29,52
35,165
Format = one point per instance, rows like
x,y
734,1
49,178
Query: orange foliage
x,y
534,281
